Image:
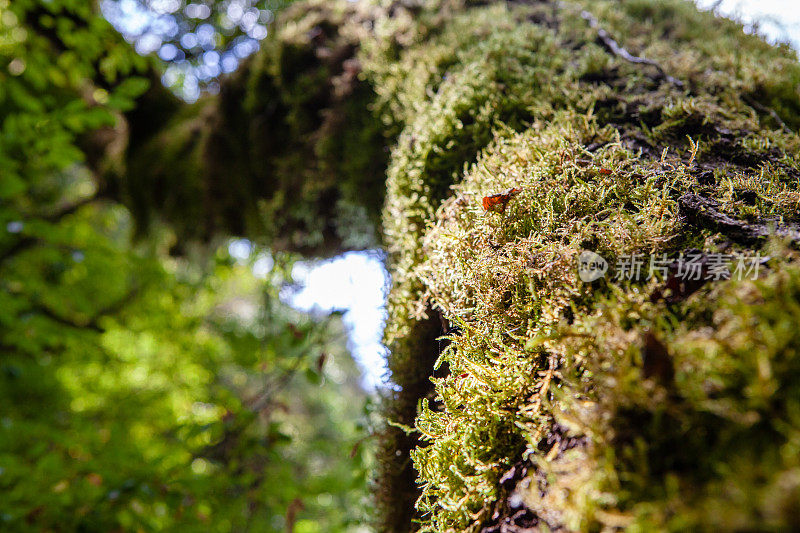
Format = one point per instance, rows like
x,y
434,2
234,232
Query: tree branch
x,y
768,110
91,323
28,242
705,212
613,47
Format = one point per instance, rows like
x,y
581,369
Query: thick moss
x,y
557,403
546,394
510,281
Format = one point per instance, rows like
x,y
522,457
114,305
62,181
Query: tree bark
x,y
631,128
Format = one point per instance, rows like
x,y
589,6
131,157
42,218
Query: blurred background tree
x,y
141,390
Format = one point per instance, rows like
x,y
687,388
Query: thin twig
x,y
70,209
90,323
768,110
66,321
25,243
17,248
614,47
275,387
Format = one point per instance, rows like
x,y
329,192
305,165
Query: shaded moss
x,y
290,151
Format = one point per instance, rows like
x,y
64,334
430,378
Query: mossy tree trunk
x,y
631,127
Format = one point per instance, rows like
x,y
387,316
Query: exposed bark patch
x,y
559,439
656,361
677,287
509,514
521,521
614,48
705,212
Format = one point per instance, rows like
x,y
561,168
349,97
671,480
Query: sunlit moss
x,y
522,96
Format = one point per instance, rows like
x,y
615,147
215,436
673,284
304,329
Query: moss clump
x,y
544,370
290,152
473,71
607,405
538,348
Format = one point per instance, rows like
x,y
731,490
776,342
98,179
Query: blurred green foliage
x,y
141,391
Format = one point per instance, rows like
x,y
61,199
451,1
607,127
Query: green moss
x,y
709,449
317,149
510,281
539,368
162,176
547,369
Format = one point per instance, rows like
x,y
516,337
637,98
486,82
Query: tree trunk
x,y
632,130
